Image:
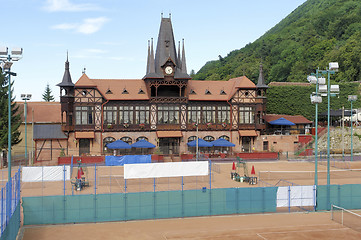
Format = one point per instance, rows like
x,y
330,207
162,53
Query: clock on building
x,y
168,70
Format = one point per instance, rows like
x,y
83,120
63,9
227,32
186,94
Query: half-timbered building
x,y
165,107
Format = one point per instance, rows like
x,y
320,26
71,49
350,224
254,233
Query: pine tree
x,y
15,115
47,95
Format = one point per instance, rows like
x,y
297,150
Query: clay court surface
x,y
256,226
110,179
266,226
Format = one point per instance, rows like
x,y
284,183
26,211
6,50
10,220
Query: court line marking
x,y
259,235
310,230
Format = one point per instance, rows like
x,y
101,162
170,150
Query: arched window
x,y
105,142
127,140
208,138
142,138
192,138
224,137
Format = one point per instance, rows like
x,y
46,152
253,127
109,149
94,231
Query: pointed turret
x,y
261,82
179,56
166,55
148,58
67,82
184,66
165,46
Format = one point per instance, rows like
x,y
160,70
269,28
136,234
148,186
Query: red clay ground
x,y
267,227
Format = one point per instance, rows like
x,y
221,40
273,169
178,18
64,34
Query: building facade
x,y
166,107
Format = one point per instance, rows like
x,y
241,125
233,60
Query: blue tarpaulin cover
x,y
201,143
127,159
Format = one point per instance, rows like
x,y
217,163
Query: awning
x,y
84,135
167,134
247,133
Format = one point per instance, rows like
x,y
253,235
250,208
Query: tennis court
x,y
265,226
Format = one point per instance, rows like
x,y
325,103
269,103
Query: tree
x,y
47,95
15,115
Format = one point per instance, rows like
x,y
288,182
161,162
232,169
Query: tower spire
x,y
184,66
151,61
261,82
66,82
179,57
148,58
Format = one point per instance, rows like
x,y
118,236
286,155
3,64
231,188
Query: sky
x,y
109,38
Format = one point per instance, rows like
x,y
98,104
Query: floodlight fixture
x,y
6,66
4,51
352,98
25,97
316,99
322,80
17,51
322,88
312,79
335,88
333,66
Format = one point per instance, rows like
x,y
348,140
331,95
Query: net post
x,y
332,212
342,216
289,198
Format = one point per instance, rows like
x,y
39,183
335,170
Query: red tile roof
x,y
298,119
41,112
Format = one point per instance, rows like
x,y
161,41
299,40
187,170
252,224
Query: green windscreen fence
x,y
147,205
347,196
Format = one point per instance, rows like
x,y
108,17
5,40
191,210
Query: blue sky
x,y
109,37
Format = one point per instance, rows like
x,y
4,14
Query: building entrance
x,y
84,146
169,145
246,144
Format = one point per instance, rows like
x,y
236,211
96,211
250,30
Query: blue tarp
x,y
221,142
127,159
201,143
282,121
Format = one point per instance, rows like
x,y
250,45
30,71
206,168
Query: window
x,y
105,142
208,114
246,115
265,146
194,113
110,115
168,114
125,91
208,138
141,114
223,113
84,115
142,138
225,137
126,114
192,138
127,140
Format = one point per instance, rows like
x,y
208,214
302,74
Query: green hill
x,y
316,33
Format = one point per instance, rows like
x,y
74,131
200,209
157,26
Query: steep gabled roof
x,y
85,81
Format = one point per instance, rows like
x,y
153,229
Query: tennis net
x,y
346,217
304,175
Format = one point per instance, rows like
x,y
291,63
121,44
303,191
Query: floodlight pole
x,y
197,142
351,134
328,126
9,123
352,98
316,134
26,97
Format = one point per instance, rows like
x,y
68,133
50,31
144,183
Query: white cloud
x,y
88,26
67,6
92,25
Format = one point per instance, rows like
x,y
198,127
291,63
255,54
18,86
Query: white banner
x,y
172,169
46,173
296,196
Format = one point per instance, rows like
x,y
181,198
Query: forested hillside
x,y
316,33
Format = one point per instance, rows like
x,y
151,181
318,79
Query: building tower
x,y
261,106
67,99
